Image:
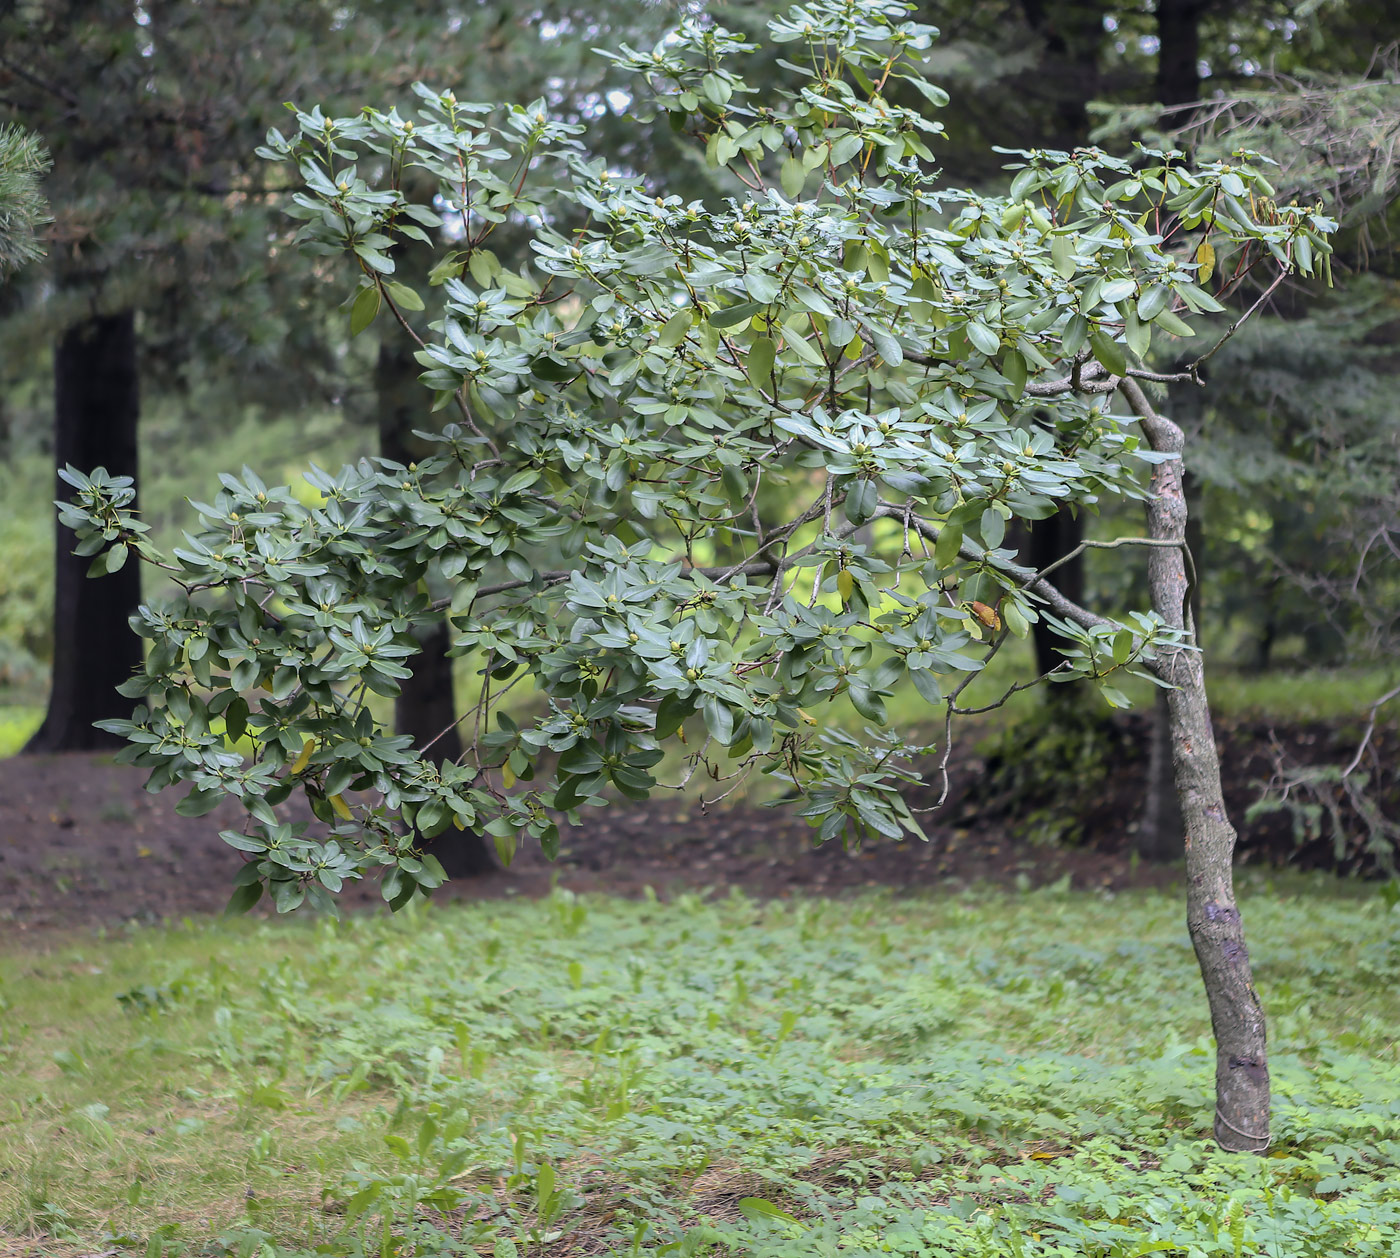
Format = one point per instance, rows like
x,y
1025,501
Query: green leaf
x,y
1170,322
544,1185
760,361
948,545
736,486
1153,302
484,266
236,719
1108,352
715,89
992,527
1116,290
364,309
109,561
719,720
761,1208
926,683
403,296
1137,333
1076,329
861,500
983,338
1013,367
673,333
243,899
792,177
762,286
1015,618
800,345
886,345
732,315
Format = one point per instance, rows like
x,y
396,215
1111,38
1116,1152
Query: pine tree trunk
x,y
425,707
96,409
1179,55
1217,933
1161,832
1051,539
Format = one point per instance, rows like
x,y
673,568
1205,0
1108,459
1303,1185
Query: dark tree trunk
x,y
96,409
1212,917
1068,75
1161,832
1179,55
426,706
1051,539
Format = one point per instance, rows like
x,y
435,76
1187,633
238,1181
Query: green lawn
x,y
975,1076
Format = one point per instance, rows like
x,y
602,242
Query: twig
x,y
1370,729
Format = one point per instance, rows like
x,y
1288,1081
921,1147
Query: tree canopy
x,y
23,210
925,364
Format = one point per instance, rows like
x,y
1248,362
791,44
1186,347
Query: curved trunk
x,y
1217,933
96,408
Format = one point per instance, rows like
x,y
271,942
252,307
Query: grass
x,y
999,1075
17,725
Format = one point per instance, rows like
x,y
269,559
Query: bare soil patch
x,y
82,843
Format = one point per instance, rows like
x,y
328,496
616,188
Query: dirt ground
x,y
83,844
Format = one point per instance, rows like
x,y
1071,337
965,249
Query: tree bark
x,y
96,410
1217,933
425,707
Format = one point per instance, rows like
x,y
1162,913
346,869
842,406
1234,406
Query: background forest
x,y
169,328
682,1027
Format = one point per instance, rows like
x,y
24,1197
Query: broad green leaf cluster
x,y
709,466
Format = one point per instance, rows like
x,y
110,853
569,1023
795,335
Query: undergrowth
x,y
990,1075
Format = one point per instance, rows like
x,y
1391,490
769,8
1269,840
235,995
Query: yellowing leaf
x,y
807,716
304,757
458,822
342,809
507,776
987,615
1205,259
845,584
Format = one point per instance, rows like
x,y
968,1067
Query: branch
x,y
1240,322
560,575
1113,545
1086,378
1370,729
1028,579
